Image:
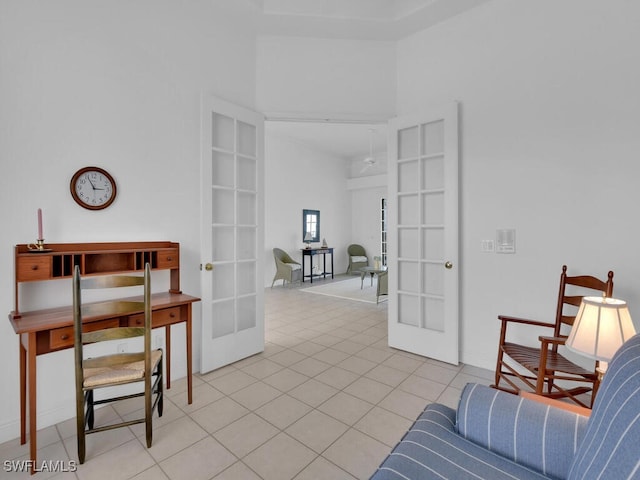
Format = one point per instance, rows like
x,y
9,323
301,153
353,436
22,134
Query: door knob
x,y
448,265
208,266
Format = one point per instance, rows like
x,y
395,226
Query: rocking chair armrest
x,y
569,407
506,318
554,340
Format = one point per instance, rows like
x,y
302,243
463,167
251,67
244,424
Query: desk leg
x,y
167,340
31,367
189,357
23,393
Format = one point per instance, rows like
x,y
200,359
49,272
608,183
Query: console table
x,y
50,330
311,252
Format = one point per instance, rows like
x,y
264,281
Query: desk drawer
x,y
160,318
34,267
63,337
168,258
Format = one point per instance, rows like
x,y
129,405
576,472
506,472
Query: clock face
x,y
93,188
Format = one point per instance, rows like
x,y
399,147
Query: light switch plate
x,y
487,246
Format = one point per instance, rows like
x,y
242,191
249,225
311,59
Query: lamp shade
x,y
600,328
308,237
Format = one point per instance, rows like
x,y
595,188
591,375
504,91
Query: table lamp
x,y
307,239
600,328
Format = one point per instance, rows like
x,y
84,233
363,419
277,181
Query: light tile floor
x,y
327,399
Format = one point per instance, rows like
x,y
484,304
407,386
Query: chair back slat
x,y
111,308
111,281
108,334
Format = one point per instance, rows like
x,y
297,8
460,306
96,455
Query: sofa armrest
x,y
539,436
570,407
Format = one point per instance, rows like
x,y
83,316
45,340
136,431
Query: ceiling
x,y
357,19
388,20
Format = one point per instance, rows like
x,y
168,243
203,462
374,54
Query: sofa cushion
x,y
610,448
530,433
432,449
359,259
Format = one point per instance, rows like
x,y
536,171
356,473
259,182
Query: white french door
x,y
423,218
232,233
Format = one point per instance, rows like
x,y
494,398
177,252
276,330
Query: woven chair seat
x,y
529,357
119,373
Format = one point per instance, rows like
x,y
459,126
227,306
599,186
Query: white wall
x,y
367,186
298,177
549,146
114,84
320,76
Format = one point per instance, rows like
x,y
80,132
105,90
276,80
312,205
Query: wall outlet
x,y
122,347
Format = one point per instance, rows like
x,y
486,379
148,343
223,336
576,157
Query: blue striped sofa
x,y
497,435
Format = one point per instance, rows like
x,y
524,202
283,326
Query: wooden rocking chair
x,y
548,373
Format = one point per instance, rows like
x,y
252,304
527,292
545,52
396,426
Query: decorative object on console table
x,y
51,329
38,247
601,326
307,240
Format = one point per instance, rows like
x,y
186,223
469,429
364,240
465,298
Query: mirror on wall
x,y
310,226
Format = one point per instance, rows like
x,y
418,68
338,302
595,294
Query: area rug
x,y
349,289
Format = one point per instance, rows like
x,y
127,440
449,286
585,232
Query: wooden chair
x,y
542,369
119,368
357,258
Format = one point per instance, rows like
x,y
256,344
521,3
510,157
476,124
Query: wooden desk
x,y
51,330
310,252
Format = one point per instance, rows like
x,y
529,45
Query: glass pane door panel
x,y
246,243
409,310
223,281
246,208
433,309
222,206
246,278
246,139
409,276
408,213
408,143
222,244
408,243
246,174
246,312
433,208
222,318
222,169
433,278
433,173
408,177
223,132
433,138
433,243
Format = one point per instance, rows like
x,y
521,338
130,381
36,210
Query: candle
x,y
40,237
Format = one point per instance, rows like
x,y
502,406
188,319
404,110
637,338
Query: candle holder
x,y
38,246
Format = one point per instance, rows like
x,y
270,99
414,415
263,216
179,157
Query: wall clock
x,y
93,188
